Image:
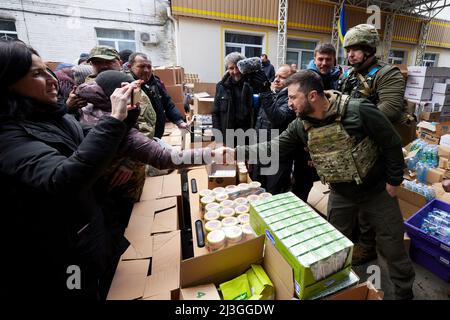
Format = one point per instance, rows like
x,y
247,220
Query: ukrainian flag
x,y
342,26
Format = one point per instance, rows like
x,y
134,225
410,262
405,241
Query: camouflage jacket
x,y
385,88
361,120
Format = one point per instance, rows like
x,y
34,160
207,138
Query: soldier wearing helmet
x,y
370,78
384,86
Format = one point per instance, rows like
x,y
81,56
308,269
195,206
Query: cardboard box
x,y
226,264
165,272
428,71
435,175
444,151
430,116
428,138
202,292
205,87
410,202
443,162
434,129
420,82
445,113
441,88
203,105
149,218
418,93
441,99
363,291
445,140
176,93
162,187
200,177
170,75
129,280
263,219
221,175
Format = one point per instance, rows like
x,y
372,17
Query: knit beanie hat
x,y
81,72
110,80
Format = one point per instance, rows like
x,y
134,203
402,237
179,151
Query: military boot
x,y
363,255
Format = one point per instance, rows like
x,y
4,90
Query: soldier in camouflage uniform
x,y
357,151
384,86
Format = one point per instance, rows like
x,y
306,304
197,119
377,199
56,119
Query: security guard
x,y
355,149
384,86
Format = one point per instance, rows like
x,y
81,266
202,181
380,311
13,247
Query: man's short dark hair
x,y
137,54
307,80
264,55
325,48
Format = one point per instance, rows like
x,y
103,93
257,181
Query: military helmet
x,y
362,35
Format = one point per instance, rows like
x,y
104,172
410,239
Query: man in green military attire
x,y
356,150
384,86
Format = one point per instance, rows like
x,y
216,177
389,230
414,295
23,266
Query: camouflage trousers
x,y
382,212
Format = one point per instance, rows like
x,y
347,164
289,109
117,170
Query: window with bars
x,y
118,39
397,57
8,30
250,45
430,59
300,52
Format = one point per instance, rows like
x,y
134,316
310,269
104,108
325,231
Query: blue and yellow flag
x,y
342,26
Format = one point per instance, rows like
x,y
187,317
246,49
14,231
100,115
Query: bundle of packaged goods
x,y
225,213
423,159
427,191
424,82
254,284
319,254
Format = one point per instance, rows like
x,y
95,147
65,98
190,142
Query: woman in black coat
x,y
56,240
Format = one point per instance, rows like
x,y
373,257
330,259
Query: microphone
x,y
249,65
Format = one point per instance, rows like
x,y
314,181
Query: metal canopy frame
x,y
426,10
419,8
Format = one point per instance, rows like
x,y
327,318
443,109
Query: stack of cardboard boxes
x,y
173,79
150,267
427,88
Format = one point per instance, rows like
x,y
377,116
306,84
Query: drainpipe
x,y
175,26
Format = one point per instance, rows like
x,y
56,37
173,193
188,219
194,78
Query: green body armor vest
x,y
336,156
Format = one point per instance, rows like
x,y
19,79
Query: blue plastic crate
x,y
422,255
435,246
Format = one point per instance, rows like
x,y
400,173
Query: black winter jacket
x,y
233,105
52,217
274,112
269,70
162,103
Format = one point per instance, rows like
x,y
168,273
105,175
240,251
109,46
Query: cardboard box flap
x,y
201,95
160,296
162,282
166,251
279,271
144,208
161,187
222,265
141,247
129,280
139,226
363,291
166,220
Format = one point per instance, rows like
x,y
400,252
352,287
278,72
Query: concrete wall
x,y
61,30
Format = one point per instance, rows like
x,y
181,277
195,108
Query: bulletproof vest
x,y
359,86
335,154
